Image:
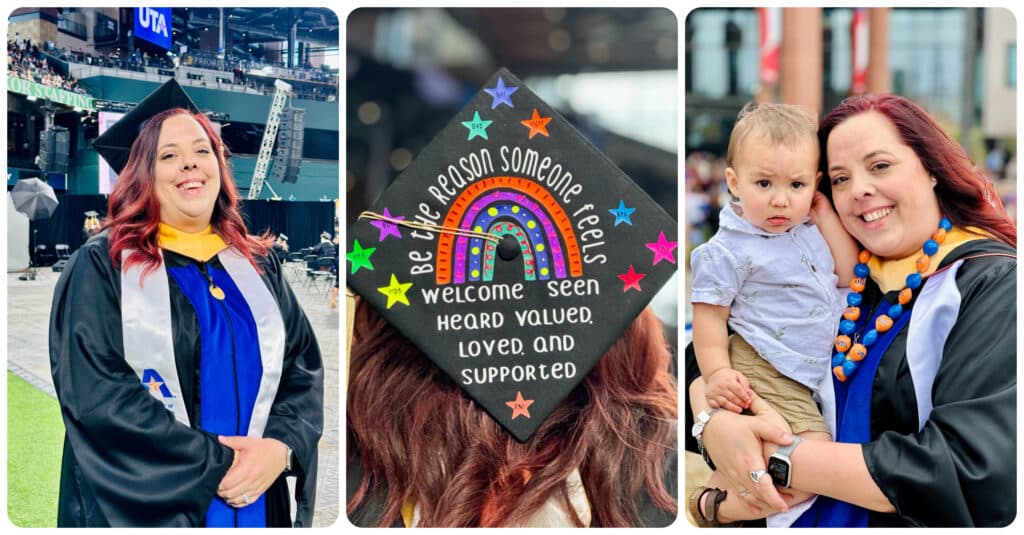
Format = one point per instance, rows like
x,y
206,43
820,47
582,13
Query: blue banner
x,y
154,25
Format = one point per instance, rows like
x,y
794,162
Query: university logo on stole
x,y
154,382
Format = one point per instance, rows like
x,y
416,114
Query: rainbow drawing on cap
x,y
508,206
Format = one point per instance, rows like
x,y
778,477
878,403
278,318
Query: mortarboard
x,y
283,236
547,254
91,213
115,144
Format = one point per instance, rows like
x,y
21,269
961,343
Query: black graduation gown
x,y
127,461
961,468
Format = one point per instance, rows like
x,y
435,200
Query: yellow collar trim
x,y
408,513
201,246
892,274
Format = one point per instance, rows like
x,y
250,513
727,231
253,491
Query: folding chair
x,y
311,269
327,270
294,268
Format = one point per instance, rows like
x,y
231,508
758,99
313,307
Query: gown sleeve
x,y
297,414
960,468
137,465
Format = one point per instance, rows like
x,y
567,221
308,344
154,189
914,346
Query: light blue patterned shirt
x,y
782,295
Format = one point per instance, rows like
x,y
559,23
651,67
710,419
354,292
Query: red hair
x,y
966,196
425,441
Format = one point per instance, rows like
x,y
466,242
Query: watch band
x,y
702,419
787,450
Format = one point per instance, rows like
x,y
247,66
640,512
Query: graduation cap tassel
x,y
429,226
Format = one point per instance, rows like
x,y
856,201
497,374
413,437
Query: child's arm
x,y
726,387
843,247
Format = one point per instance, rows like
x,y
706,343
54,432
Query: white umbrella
x,y
34,198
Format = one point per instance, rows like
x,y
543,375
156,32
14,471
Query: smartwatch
x,y
780,467
703,417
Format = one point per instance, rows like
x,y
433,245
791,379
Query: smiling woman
x,y
175,296
187,173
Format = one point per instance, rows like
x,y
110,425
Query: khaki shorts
x,y
792,399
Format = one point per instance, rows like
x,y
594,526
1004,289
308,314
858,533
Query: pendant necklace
x,y
215,291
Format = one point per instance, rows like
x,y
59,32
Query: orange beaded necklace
x,y
849,352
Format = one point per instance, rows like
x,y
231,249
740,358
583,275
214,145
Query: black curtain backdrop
x,y
302,221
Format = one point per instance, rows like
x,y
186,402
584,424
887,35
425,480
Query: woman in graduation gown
x,y
927,419
190,381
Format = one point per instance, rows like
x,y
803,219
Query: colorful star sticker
x,y
520,406
622,214
396,291
537,124
360,257
631,279
154,385
663,249
502,94
388,228
477,127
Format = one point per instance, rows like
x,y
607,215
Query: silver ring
x,y
745,493
756,475
245,499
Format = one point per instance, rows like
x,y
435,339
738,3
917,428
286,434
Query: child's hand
x,y
821,209
729,389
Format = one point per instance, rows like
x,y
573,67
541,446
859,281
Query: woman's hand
x,y
735,443
258,463
821,210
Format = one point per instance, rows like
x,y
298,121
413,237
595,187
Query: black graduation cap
x,y
115,144
549,253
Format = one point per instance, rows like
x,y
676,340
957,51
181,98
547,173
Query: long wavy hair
x,y
134,210
422,440
966,196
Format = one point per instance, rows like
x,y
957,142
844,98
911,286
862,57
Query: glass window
x,y
723,52
1011,65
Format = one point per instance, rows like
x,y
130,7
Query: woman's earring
x,y
934,182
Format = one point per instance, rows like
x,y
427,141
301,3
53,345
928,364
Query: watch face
x,y
779,470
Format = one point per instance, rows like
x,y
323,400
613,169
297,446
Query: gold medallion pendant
x,y
216,292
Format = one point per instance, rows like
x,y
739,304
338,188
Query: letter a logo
x,y
152,381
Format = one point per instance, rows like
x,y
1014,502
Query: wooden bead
x,y
923,262
940,235
864,256
883,324
857,353
906,295
857,284
842,343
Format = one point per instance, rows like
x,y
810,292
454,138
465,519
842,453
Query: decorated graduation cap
x,y
115,144
512,253
91,213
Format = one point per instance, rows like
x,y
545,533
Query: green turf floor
x,y
35,434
